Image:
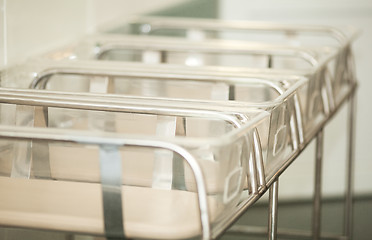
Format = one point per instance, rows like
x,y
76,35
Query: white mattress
x,y
77,207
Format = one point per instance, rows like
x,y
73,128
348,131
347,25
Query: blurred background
x,y
32,27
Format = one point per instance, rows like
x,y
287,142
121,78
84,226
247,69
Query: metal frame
x,y
274,185
108,149
153,23
164,45
207,233
315,233
110,143
293,112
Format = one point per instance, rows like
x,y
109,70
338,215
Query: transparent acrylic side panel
x,y
270,36
251,91
254,91
22,159
292,38
341,74
313,100
158,172
234,161
282,142
197,58
75,205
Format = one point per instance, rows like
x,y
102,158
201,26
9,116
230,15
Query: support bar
x,y
282,233
317,210
348,220
273,211
111,178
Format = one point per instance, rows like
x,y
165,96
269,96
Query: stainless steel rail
x,y
115,140
349,193
109,143
149,24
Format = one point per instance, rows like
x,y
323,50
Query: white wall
x,y
298,180
28,27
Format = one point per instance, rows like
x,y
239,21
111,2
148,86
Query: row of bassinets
x,y
163,127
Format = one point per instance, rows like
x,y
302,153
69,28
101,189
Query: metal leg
x,y
273,210
348,220
317,210
273,197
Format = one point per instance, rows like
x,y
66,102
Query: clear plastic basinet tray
x,y
285,97
205,127
321,64
342,71
185,161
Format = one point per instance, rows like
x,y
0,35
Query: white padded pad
x,y
77,207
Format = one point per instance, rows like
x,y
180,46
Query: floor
x,y
292,214
297,215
